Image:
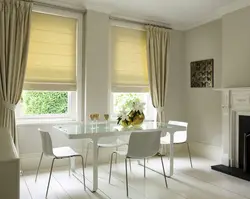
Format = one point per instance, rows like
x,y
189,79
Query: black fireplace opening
x,y
243,171
244,143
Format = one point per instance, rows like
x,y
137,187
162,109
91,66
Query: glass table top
x,y
110,127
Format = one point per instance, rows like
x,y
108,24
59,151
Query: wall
x,y
97,62
204,104
236,48
176,100
96,86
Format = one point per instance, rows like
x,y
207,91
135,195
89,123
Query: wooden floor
x,y
197,183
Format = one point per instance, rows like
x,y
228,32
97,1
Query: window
x,y
42,104
129,71
50,83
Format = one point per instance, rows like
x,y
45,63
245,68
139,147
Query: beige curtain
x,y
14,40
158,40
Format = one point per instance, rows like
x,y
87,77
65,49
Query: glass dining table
x,y
95,131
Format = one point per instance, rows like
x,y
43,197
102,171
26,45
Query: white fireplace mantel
x,y
235,102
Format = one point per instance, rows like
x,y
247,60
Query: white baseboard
x,y
207,151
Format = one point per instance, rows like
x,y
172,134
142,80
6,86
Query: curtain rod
x,y
139,22
38,3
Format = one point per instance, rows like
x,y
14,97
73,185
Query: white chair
x,y
180,137
56,153
111,142
142,145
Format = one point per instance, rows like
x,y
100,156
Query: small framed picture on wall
x,y
202,74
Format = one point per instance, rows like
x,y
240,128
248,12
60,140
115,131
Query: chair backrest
x,y
46,143
179,136
144,144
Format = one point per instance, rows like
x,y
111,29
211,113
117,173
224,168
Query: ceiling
x,y
178,14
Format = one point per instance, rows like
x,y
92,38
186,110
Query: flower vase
x,y
124,124
138,118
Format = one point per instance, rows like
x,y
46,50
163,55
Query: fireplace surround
x,y
235,133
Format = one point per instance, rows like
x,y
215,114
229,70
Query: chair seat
x,y
62,152
177,140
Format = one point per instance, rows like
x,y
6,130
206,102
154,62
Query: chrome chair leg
x,y
39,166
130,165
110,166
126,168
98,148
164,173
116,155
69,166
51,169
144,165
83,173
87,153
189,153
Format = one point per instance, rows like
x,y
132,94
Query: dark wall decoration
x,y
202,74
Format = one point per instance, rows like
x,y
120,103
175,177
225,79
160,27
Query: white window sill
x,y
36,121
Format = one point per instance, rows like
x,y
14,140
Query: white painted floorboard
x,y
197,183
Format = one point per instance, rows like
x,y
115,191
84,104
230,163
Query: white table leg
x,y
95,166
171,154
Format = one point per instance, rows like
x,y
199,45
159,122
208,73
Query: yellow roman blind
x,y
129,60
52,53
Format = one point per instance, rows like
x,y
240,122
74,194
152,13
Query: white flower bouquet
x,y
135,117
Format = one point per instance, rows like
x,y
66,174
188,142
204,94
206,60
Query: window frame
x,y
75,101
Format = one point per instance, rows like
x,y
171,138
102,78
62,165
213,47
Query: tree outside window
x,y
45,102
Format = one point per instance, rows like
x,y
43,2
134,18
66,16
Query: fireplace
x,y
244,143
235,133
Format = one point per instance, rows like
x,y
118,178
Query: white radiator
x,y
9,167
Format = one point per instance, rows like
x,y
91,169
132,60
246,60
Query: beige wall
x,y
236,48
204,104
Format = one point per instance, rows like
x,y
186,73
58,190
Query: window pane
x,y
37,103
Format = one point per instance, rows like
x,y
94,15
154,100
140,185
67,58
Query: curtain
x,y
158,40
14,40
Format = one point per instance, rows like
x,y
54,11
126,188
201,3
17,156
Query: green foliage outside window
x,y
125,101
35,103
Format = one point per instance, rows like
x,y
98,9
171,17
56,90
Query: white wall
x,y
204,104
97,30
176,93
236,48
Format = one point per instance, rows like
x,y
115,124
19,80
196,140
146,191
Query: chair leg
x,y
164,173
144,165
87,153
39,166
189,153
83,173
69,166
110,167
116,155
51,169
126,168
130,165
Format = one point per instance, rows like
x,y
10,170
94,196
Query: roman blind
x,y
129,60
52,53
